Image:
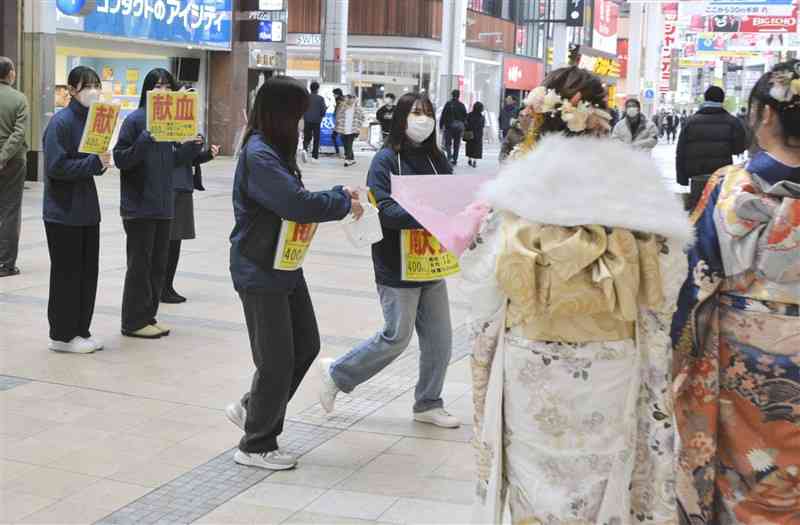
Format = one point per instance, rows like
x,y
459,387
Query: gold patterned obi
x,y
577,284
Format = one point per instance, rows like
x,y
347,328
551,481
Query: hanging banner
x,y
99,129
172,115
670,12
606,22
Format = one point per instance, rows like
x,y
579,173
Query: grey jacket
x,y
646,136
13,124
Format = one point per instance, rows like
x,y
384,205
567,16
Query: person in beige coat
x,y
349,117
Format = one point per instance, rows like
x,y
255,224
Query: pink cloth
x,y
444,205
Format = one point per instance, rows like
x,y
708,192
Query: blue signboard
x,y
191,22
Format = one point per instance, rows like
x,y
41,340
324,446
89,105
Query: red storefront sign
x,y
522,74
769,24
622,57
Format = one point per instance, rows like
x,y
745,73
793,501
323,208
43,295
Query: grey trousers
x,y
12,182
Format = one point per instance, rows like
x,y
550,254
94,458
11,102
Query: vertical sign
x,y
606,19
670,12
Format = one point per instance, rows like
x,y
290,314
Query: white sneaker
x,y
236,414
97,342
439,417
328,389
304,156
78,345
314,161
275,460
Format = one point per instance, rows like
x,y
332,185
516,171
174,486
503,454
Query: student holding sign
x,y
148,206
276,221
72,217
410,265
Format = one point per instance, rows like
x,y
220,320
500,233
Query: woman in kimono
x,y
737,329
575,275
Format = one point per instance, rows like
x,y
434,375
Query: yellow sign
x,y
293,244
424,258
605,67
100,125
132,75
172,115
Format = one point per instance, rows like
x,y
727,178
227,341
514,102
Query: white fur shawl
x,y
572,181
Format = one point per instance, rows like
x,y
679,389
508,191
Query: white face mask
x,y
87,96
632,112
419,128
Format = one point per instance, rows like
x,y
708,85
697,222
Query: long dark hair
x,y
397,139
157,76
477,108
568,82
788,111
279,104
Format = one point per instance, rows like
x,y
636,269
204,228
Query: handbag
x,y
260,241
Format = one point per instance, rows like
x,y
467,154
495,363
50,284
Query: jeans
x,y
428,309
148,251
284,340
452,141
311,131
12,182
74,265
348,146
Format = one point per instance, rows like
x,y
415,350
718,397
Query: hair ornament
x,y
577,114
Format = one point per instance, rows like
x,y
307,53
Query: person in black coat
x,y
147,206
710,139
474,134
284,339
72,218
508,113
313,122
454,120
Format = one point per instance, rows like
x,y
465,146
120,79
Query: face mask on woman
x,y
632,112
419,128
87,96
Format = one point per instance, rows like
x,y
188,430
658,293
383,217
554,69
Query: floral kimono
x,y
737,361
574,281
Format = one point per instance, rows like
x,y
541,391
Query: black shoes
x,y
8,271
172,297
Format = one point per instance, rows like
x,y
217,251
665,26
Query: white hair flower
x,y
760,460
551,101
535,99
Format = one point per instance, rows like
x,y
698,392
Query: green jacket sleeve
x,y
16,141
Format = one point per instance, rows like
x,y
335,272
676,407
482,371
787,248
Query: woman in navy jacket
x,y
72,218
284,337
147,208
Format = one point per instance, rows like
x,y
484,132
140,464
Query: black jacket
x,y
454,111
385,116
507,114
316,109
475,123
710,139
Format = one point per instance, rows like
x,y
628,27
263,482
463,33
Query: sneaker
x,y
8,271
236,414
314,161
328,391
96,342
78,345
275,460
161,327
148,332
304,156
172,297
439,417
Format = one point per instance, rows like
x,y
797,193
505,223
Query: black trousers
x,y
172,266
348,146
74,265
335,137
452,142
148,250
311,131
284,339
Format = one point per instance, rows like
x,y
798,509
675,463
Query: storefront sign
x,y
100,125
262,5
261,31
522,74
668,42
622,54
749,7
305,39
770,24
267,59
602,66
192,22
606,18
172,115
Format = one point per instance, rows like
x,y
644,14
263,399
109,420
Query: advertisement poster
x,y
293,244
99,129
606,21
172,115
424,258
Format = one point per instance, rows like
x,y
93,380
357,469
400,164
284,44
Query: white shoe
x,y
275,460
236,414
161,327
304,156
314,161
78,345
439,417
328,389
97,342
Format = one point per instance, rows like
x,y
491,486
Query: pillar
x,y
10,29
454,36
560,38
633,83
333,59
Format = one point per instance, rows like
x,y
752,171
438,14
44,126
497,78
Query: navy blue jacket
x,y
183,178
147,169
70,196
386,254
270,186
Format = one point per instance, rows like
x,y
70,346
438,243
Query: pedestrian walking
x,y
635,129
338,96
735,333
473,134
312,122
672,124
71,212
13,150
284,337
349,118
385,115
573,297
147,205
454,119
410,150
710,140
508,113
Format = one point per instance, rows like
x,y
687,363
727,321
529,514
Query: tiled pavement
x,y
136,433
